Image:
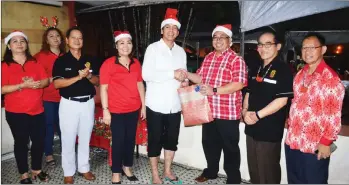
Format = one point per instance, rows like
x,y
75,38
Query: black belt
x,y
80,99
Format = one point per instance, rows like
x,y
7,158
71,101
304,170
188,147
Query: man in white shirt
x,y
164,69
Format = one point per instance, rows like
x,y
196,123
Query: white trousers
x,y
76,119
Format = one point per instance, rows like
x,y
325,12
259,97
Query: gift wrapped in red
x,y
142,133
195,107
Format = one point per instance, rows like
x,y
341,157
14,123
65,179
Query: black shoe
x,y
116,182
26,181
42,176
130,178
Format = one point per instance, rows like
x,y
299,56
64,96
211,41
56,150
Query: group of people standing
x,y
59,87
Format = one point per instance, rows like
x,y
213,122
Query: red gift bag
x,y
142,133
195,107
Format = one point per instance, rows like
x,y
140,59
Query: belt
x,y
85,99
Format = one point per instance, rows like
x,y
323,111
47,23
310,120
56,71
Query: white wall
x,y
190,153
6,135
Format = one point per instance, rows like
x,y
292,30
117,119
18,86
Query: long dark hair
x,y
46,47
8,56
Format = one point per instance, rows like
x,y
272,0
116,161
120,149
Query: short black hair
x,y
268,30
72,29
317,35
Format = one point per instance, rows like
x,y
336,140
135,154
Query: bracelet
x,y
105,108
19,87
257,115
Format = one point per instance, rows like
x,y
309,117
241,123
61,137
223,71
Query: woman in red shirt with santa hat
x,y
22,83
122,97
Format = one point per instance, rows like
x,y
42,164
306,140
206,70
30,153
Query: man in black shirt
x,y
75,75
264,111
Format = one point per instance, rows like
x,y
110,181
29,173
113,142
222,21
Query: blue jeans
x,y
52,125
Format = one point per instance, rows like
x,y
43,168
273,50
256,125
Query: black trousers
x,y
221,135
263,161
23,128
304,168
163,131
123,130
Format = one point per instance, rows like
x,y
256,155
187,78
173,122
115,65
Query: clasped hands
x,y
250,117
28,82
84,73
182,74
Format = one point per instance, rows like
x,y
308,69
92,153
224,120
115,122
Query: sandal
x,y
43,177
174,181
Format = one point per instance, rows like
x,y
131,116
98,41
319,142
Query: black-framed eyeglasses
x,y
218,38
310,48
266,45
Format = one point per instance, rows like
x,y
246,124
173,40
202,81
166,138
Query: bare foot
x,y
49,158
128,171
169,175
24,176
116,177
157,180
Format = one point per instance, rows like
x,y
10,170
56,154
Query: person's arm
x,y
284,93
94,76
245,103
230,88
44,83
272,107
195,78
94,80
149,71
65,82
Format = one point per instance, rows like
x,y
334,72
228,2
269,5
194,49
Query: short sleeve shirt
x,y
123,94
28,101
67,66
276,83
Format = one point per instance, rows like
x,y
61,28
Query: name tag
x,y
67,69
269,81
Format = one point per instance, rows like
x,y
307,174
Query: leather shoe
x,y
201,178
69,180
88,176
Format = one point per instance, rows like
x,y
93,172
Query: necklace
x,y
259,78
304,87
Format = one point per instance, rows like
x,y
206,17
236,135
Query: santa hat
x,y
226,28
121,34
171,18
13,34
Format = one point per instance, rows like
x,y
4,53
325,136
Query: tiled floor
x,y
102,171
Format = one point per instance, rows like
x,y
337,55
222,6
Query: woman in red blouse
x,y
53,46
22,83
122,97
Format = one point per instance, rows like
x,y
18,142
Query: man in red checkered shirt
x,y
222,75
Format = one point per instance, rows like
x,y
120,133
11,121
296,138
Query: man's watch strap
x,y
214,90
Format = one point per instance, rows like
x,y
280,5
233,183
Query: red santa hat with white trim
x,y
13,34
171,18
121,34
225,28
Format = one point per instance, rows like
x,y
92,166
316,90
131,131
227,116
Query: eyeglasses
x,y
218,38
311,48
266,45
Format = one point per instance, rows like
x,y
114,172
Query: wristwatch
x,y
214,91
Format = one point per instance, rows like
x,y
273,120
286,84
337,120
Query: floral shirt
x,y
315,114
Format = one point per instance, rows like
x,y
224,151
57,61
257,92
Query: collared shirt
x,y
27,100
47,59
315,114
67,66
277,83
123,94
159,65
218,71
